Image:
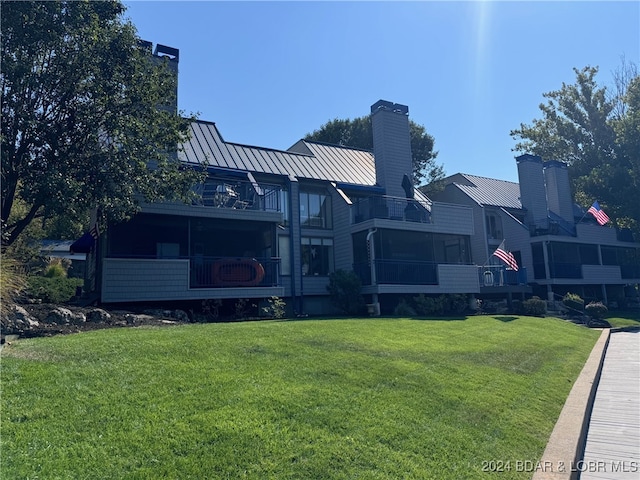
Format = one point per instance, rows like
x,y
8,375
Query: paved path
x,y
612,450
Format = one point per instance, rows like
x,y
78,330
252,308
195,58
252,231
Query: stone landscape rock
x,y
98,315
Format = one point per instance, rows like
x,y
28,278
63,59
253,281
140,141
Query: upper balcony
x,y
390,208
240,195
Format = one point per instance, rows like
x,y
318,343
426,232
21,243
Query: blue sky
x,y
270,72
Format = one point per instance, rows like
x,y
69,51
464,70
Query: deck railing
x,y
229,272
391,208
239,194
500,276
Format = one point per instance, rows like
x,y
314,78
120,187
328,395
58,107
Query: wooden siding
x,y
597,234
458,278
342,242
134,280
599,274
392,149
532,189
450,218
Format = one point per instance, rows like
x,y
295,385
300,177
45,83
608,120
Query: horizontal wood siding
x,y
458,278
141,279
342,248
596,234
454,219
135,280
599,274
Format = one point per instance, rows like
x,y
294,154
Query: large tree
x,y
594,133
81,123
358,133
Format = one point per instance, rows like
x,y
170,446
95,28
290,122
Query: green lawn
x,y
344,399
624,319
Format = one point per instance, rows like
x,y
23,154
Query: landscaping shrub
x,y
52,289
403,309
449,304
534,306
345,292
516,307
426,306
573,302
12,280
457,303
276,307
55,270
596,310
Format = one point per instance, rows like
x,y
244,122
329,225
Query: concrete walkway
x,y
597,435
612,450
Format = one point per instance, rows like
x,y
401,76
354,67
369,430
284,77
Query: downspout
x,y
372,266
291,252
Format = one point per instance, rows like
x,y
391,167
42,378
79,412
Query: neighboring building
x,y
561,246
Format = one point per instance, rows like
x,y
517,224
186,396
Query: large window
x,y
494,226
315,210
317,256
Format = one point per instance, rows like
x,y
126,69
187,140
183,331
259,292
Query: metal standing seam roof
x,y
492,192
324,162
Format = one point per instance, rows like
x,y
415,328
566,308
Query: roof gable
x,y
488,191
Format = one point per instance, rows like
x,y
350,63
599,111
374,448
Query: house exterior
x,y
277,223
561,247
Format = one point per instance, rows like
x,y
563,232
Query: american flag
x,y
597,212
94,232
506,257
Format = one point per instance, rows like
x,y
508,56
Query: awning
x,y
83,245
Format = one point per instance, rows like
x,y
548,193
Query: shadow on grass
x,y
506,318
442,319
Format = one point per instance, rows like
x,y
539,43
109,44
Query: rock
x,y
59,316
78,318
181,316
16,319
97,315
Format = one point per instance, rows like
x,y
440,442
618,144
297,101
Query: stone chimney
x,y
391,146
559,198
533,194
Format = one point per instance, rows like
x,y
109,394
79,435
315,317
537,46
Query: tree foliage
x,y
358,133
81,123
597,135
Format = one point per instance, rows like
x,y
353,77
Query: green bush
x,y
55,270
449,304
534,306
345,292
573,302
403,309
457,303
426,306
276,307
52,289
596,310
516,307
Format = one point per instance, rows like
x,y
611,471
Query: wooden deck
x,y
612,449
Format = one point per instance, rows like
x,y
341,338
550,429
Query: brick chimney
x,y
391,146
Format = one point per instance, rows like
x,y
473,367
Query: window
x,y
317,256
494,226
315,210
284,251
